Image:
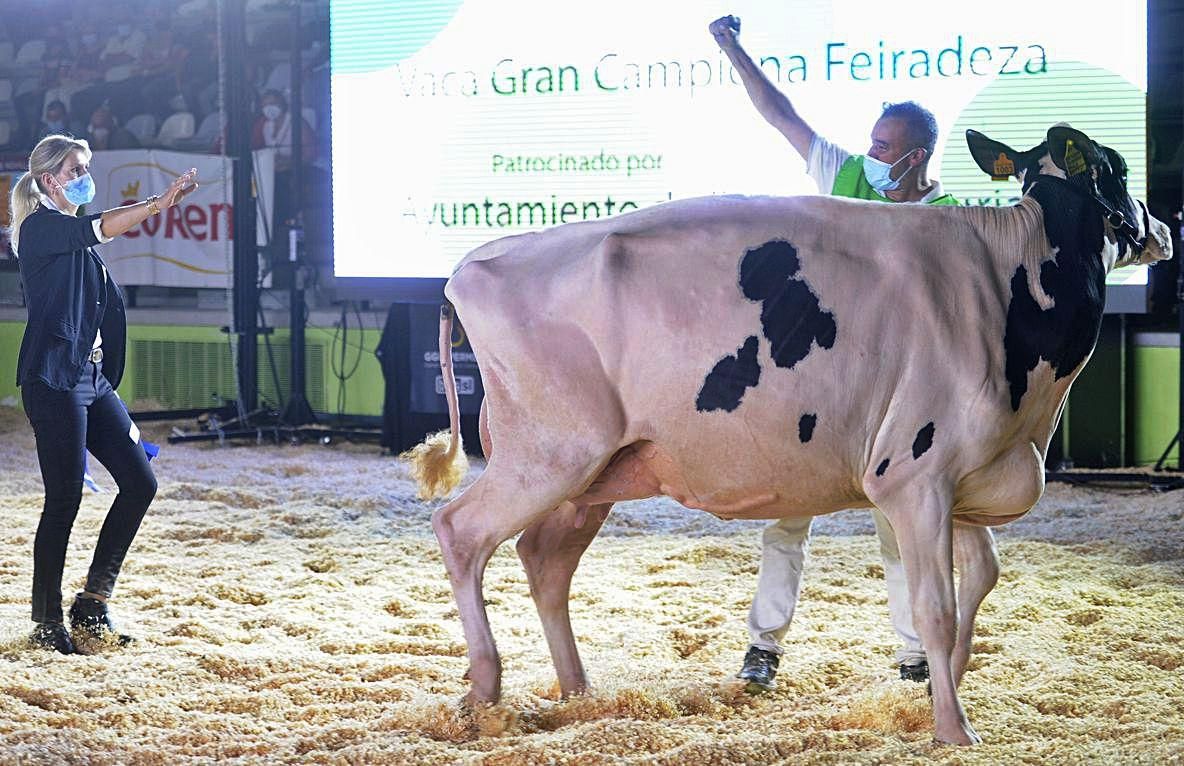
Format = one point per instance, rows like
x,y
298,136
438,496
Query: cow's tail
x,y
439,463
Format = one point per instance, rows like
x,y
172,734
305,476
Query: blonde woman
x,y
70,362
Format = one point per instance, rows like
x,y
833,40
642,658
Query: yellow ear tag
x,y
1002,168
1074,159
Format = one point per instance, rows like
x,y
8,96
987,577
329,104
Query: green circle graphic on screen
x,y
1018,110
368,35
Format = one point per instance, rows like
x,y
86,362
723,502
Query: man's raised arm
x,y
773,104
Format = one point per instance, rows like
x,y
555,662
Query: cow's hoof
x,y
963,734
760,668
472,702
578,690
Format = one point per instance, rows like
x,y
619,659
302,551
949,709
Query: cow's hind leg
x,y
499,505
977,561
923,527
550,550
483,430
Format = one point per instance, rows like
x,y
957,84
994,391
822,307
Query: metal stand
x,y
298,411
245,294
297,422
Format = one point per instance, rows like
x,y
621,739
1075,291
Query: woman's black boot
x,y
89,617
52,635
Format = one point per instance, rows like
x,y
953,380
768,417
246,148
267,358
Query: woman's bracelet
x,y
153,208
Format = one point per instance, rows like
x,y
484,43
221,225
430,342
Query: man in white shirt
x,y
895,169
125,46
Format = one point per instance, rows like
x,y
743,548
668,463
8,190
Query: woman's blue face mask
x,y
79,191
879,173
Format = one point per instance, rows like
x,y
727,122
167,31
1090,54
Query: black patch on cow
x,y
1112,177
791,317
1075,279
923,441
725,385
806,427
1030,164
882,467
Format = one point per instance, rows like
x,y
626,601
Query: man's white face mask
x,y
879,173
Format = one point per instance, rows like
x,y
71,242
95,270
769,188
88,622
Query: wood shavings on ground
x,y
292,607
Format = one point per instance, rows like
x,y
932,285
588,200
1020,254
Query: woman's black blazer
x,y
68,299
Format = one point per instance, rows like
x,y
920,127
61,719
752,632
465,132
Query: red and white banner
x,y
188,245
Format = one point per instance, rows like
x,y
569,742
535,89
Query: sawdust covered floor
x,y
292,607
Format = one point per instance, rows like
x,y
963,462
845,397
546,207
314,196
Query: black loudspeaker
x,y
413,403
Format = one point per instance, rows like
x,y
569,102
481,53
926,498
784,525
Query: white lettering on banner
x,y
187,244
466,385
461,357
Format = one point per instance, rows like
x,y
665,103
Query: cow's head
x,y
1092,170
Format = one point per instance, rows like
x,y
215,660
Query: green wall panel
x,y
182,367
1152,415
1155,403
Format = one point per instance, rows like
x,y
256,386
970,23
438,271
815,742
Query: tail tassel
x,y
437,465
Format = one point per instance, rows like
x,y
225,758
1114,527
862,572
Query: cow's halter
x,y
1123,228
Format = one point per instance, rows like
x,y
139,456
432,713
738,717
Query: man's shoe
x,y
89,617
914,671
52,635
760,668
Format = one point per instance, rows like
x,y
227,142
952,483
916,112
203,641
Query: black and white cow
x,y
769,357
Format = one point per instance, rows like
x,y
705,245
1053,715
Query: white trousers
x,y
783,554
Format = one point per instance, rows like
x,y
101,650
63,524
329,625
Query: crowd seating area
x,y
152,66
134,74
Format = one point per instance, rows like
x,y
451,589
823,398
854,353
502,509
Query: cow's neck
x,y
1057,280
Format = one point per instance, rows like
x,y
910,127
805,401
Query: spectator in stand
x,y
199,76
155,56
55,64
161,67
30,105
55,38
88,75
127,44
104,132
57,121
86,68
124,48
273,128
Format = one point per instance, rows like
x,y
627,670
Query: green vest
x,y
851,182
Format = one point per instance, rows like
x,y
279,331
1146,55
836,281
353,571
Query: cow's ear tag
x,y
1074,160
1002,168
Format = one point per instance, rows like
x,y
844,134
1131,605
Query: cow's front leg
x,y
977,561
924,530
550,550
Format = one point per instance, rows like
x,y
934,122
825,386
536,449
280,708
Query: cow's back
x,y
796,344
